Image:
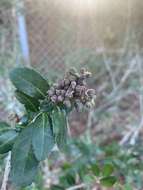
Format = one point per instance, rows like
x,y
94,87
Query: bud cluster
x,y
73,90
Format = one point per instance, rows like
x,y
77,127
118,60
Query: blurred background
x,y
106,37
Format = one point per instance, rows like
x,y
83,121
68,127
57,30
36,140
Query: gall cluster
x,y
72,90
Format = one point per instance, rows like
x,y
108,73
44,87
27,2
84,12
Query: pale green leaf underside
x,y
43,140
24,163
60,128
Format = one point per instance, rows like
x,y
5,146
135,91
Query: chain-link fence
x,y
105,37
63,34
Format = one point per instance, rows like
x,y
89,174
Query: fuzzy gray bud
x,y
51,92
83,70
66,82
81,81
87,74
67,103
79,89
90,92
63,92
60,98
72,71
54,98
73,84
69,94
72,78
58,92
55,85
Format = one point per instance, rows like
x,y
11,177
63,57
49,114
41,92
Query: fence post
x,y
23,37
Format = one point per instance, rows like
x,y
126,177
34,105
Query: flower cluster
x,y
73,90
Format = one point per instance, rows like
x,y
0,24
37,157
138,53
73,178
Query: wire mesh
x,y
103,39
59,37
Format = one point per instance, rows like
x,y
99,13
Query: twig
x,y
6,172
89,124
124,78
126,137
46,174
140,70
109,70
136,133
76,187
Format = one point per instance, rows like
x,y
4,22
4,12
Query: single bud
x,y
83,99
67,75
80,89
89,105
66,82
73,84
90,93
73,78
52,88
87,74
72,71
83,70
69,94
77,105
55,85
63,92
66,87
81,81
93,102
58,92
50,92
60,98
67,103
77,101
54,98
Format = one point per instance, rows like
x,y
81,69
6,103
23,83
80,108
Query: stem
x,y
46,174
6,172
89,125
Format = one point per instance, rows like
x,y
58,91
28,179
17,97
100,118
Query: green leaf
x,y
29,82
4,127
66,166
30,103
43,139
7,139
68,179
95,169
88,179
108,181
107,170
24,164
127,187
59,128
46,106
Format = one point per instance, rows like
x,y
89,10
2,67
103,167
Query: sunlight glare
x,y
82,6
